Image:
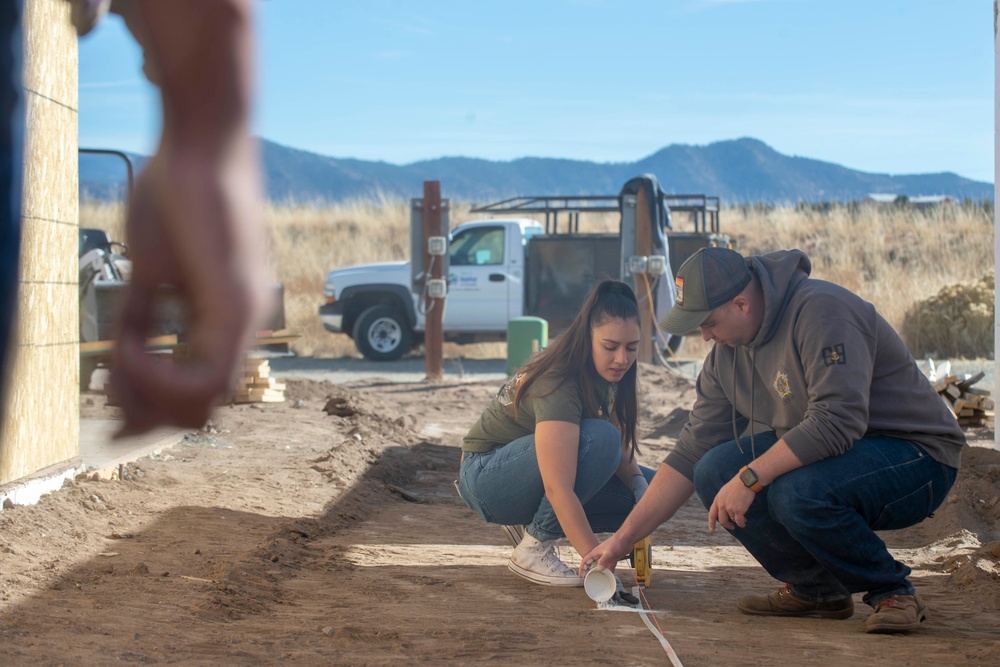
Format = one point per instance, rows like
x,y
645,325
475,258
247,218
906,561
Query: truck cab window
x,y
482,246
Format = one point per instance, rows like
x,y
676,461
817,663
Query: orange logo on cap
x,y
679,283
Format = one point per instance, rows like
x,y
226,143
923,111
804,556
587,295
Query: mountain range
x,y
738,171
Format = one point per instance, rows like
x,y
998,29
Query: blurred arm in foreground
x,y
194,221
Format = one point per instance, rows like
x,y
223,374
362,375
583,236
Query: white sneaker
x,y
514,534
537,562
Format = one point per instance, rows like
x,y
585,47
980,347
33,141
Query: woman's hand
x,y
628,468
639,486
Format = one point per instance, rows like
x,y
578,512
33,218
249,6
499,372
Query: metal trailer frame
x,y
703,210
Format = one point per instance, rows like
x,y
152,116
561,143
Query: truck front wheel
x,y
382,334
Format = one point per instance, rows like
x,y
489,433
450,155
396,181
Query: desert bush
x,y
894,257
955,322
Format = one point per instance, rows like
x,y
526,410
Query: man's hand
x,y
606,554
668,491
730,505
734,499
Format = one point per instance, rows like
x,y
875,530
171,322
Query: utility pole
x,y
434,325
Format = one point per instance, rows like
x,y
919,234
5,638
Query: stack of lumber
x,y
257,385
972,406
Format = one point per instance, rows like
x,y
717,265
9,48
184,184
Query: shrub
x,y
955,322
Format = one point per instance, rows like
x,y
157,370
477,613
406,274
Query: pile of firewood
x,y
257,385
972,406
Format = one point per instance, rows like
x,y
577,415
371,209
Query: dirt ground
x,y
326,530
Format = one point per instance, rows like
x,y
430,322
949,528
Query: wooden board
x,y
103,347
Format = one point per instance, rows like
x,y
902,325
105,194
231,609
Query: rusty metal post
x,y
434,326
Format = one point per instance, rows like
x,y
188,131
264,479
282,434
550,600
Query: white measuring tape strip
x,y
674,660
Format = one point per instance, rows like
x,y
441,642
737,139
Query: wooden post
x,y
433,329
644,247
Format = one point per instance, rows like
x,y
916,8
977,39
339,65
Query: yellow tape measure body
x,y
642,559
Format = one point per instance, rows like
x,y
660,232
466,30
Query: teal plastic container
x,y
525,336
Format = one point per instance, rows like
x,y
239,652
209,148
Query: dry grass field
x,y
894,257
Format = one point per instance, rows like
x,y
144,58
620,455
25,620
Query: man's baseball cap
x,y
706,280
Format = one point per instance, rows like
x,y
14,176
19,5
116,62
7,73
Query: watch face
x,y
748,477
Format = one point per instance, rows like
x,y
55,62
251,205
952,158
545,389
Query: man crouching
x,y
812,429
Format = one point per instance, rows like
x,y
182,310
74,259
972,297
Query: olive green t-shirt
x,y
547,399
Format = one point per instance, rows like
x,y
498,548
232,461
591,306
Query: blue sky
x,y
888,86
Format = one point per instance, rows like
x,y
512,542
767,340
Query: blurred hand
x,y
194,221
195,224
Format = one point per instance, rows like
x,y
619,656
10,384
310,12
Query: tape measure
x,y
642,561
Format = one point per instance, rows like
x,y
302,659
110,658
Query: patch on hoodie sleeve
x,y
835,355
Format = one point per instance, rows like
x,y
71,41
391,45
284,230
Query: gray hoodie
x,y
826,369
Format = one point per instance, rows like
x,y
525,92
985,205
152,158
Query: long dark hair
x,y
608,300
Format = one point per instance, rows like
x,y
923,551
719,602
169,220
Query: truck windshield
x,y
480,246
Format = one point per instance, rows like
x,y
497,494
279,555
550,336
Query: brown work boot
x,y
898,613
783,603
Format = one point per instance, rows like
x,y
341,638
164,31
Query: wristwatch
x,y
749,479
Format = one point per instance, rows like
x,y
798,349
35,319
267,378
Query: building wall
x,y
42,417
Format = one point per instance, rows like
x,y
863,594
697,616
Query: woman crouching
x,y
553,455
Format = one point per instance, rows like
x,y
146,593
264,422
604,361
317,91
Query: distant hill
x,y
105,177
737,171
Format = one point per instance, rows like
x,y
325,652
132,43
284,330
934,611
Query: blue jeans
x,y
814,527
504,486
11,157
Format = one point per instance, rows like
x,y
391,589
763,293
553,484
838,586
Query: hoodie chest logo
x,y
833,356
781,385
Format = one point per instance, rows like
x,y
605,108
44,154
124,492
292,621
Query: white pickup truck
x,y
373,303
503,268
